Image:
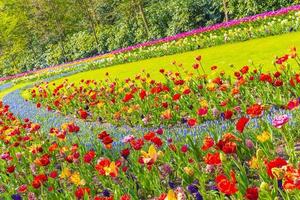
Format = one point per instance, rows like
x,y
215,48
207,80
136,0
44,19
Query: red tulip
x,y
241,124
192,122
251,193
212,159
225,185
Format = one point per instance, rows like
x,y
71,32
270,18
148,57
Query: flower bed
x,y
248,158
187,137
182,98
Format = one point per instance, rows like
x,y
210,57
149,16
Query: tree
x,y
225,9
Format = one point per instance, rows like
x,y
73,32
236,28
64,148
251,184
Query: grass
x,y
15,87
259,51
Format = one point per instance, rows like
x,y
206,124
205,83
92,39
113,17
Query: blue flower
x,y
106,193
172,185
198,196
16,197
192,189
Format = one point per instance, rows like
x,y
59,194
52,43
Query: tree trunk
x,y
145,21
92,22
93,27
225,10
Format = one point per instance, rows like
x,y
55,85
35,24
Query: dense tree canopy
x,y
39,33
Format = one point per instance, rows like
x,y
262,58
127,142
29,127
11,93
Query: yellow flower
x,y
264,186
66,173
259,154
264,136
64,149
92,94
100,104
277,172
171,195
203,103
75,179
176,88
189,77
65,126
34,147
151,155
211,86
253,163
223,157
130,110
189,171
166,114
8,131
111,169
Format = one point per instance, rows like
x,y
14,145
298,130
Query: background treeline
x,y
39,33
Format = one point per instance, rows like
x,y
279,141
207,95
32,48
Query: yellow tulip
x,y
203,103
253,163
66,173
151,155
264,186
265,136
110,169
171,195
223,157
210,86
75,179
189,171
100,104
277,172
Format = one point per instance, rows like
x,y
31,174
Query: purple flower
x,y
127,138
16,197
172,185
280,120
249,143
192,189
198,196
280,184
166,169
106,193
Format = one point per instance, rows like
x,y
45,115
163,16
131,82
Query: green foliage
x,y
250,7
37,33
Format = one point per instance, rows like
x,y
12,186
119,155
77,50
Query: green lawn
x,y
15,87
261,51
